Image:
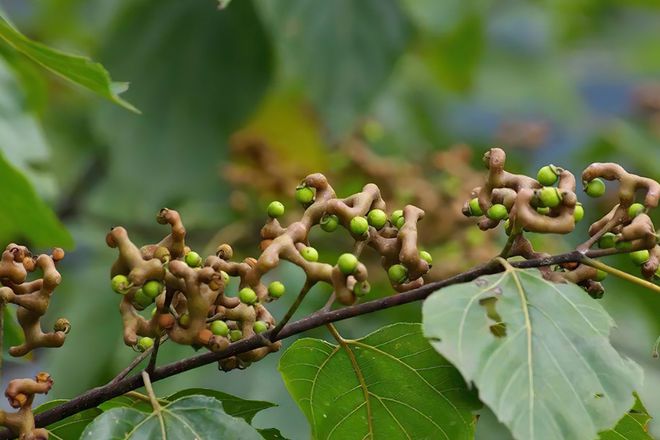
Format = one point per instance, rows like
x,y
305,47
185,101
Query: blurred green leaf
x,y
411,391
77,69
70,427
539,353
633,426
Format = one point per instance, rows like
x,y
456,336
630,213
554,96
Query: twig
x,y
620,274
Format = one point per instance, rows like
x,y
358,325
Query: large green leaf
x,y
408,390
343,50
70,427
77,69
633,425
191,417
538,352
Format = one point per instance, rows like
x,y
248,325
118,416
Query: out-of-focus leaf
x,y
344,51
633,426
538,352
70,427
409,391
75,68
223,3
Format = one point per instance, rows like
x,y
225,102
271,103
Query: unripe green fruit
x,y
497,212
235,335
304,195
623,245
359,226
608,240
635,209
347,263
475,209
275,209
259,327
361,289
400,222
547,175
578,213
193,259
225,276
120,284
396,215
247,295
329,223
595,188
153,311
600,275
276,289
152,288
550,196
145,343
219,328
397,273
310,254
184,320
377,218
141,299
640,257
426,257
543,210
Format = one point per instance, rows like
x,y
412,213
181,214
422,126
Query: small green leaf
x,y
75,68
538,352
191,417
408,391
70,427
633,426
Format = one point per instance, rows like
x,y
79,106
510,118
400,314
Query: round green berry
x,y
543,210
475,209
397,273
623,245
310,254
275,209
276,289
141,299
359,226
260,327
219,328
600,275
304,195
225,276
578,212
120,284
377,218
426,257
347,263
400,222
329,223
396,216
145,343
235,335
152,288
608,240
547,175
497,212
247,295
550,196
193,259
635,209
640,257
184,320
595,188
361,289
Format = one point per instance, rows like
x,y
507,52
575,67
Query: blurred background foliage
x,y
239,104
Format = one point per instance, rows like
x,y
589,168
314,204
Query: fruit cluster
x,y
20,393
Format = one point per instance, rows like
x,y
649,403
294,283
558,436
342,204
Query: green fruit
x,y
400,222
600,275
120,284
329,223
193,259
475,209
547,175
152,288
275,209
359,226
219,328
426,257
550,196
361,289
141,299
635,209
497,212
184,320
640,257
310,254
608,240
623,245
259,327
377,218
304,195
145,343
247,295
578,213
347,263
397,273
543,210
225,276
276,289
396,215
235,335
595,188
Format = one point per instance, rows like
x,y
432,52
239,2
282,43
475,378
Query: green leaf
x,y
70,427
191,417
271,434
77,69
343,50
409,391
633,425
234,406
24,216
538,352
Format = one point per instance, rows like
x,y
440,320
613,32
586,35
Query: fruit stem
x,y
289,314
